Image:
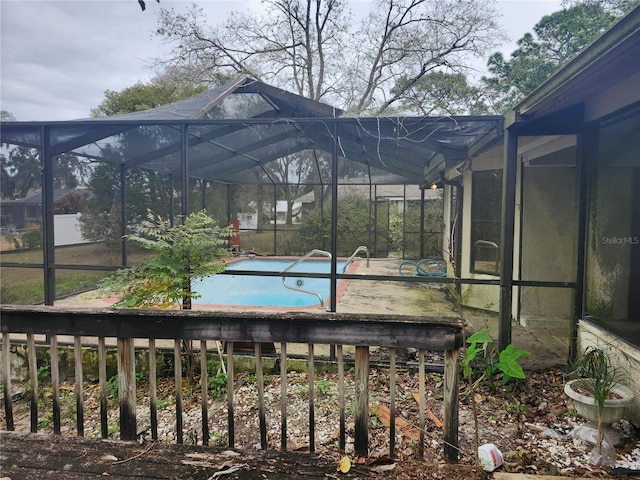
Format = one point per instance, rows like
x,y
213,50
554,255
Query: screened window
x,y
486,212
613,259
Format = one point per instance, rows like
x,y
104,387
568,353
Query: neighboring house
x,y
398,195
22,214
26,212
552,206
281,212
249,218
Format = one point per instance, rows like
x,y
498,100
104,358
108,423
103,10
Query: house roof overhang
x,y
557,105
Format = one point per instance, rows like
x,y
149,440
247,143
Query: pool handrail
x,y
315,251
361,248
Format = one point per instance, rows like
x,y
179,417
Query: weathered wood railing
x,y
423,333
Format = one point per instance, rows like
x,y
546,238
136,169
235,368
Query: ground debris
x,y
529,422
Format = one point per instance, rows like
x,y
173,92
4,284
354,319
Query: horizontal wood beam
x,y
431,333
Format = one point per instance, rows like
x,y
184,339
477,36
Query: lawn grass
x,y
25,286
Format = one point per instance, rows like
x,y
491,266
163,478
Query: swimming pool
x,y
266,291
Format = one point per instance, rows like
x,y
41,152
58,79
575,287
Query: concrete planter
x,y
586,406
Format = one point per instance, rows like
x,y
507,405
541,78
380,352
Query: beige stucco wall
x,y
549,233
546,204
624,356
486,297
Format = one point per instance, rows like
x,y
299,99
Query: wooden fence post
x,y
33,377
230,396
6,381
79,384
204,388
343,428
451,365
362,401
311,375
55,383
262,412
177,373
283,397
422,403
127,388
102,380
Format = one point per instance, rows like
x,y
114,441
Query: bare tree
x,y
315,48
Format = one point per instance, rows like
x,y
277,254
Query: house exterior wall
x,y
625,357
612,263
596,97
485,297
548,248
545,220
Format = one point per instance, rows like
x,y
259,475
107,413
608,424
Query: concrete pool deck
x,y
548,343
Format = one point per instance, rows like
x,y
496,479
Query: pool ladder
x,y
361,248
300,282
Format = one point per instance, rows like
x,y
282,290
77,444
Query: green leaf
x,y
508,363
513,353
184,252
481,336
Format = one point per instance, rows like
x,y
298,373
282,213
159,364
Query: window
x,y
486,214
613,253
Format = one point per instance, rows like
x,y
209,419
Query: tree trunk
x,y
187,345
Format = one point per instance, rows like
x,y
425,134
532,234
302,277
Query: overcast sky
x,y
58,57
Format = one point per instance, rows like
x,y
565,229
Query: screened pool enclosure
x,y
267,161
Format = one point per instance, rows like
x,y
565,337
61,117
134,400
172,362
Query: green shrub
x,y
480,359
218,384
32,238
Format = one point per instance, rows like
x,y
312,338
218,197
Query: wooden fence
x,y
363,332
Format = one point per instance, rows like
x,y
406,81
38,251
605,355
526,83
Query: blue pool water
x,y
262,291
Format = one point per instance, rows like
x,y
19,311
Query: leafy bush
x,y
480,359
112,387
183,253
218,384
356,227
32,238
353,225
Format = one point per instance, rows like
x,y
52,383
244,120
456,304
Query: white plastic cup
x,y
490,457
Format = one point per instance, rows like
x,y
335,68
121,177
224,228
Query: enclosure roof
x,y
246,124
273,102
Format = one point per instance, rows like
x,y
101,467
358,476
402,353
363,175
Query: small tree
x,y
184,253
192,250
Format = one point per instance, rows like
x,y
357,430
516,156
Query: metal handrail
x,y
361,248
290,287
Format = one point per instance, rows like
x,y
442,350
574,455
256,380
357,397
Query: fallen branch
x,y
233,469
135,456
